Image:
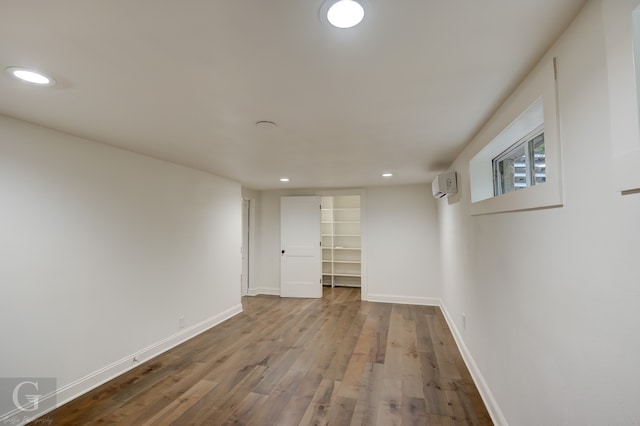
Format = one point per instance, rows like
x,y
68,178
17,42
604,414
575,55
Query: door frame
x,y
246,245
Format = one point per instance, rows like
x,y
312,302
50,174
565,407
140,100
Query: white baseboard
x,y
404,300
91,381
264,290
490,402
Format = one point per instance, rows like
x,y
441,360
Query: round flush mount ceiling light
x,y
343,13
31,76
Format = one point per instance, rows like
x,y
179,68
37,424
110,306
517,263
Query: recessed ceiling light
x,y
387,175
31,76
284,179
344,13
266,124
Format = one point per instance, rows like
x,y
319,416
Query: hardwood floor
x,y
330,361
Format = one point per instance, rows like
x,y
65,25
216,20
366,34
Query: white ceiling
x,y
186,81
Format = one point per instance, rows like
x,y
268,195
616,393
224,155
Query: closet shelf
x,y
342,248
343,221
341,241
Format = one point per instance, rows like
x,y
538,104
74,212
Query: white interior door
x,y
301,254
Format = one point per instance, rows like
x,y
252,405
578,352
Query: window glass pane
x,y
512,170
540,166
520,166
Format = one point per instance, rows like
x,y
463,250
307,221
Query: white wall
x,y
403,244
400,231
102,251
551,296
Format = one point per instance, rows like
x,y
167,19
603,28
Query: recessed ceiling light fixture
x,y
265,124
387,175
31,76
284,179
343,13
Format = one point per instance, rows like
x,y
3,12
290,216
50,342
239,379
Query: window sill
x,y
533,198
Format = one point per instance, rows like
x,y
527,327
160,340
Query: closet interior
x,y
341,241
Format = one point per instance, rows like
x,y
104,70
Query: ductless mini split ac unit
x,y
444,184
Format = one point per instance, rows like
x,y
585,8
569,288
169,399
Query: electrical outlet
x,y
464,321
181,323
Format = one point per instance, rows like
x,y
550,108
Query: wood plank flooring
x,y
329,361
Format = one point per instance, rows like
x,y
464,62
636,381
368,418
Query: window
x,y
519,147
507,164
521,166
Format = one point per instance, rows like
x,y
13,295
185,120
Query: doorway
x,y
341,241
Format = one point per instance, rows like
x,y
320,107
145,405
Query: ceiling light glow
x,y
31,76
284,179
387,175
345,14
